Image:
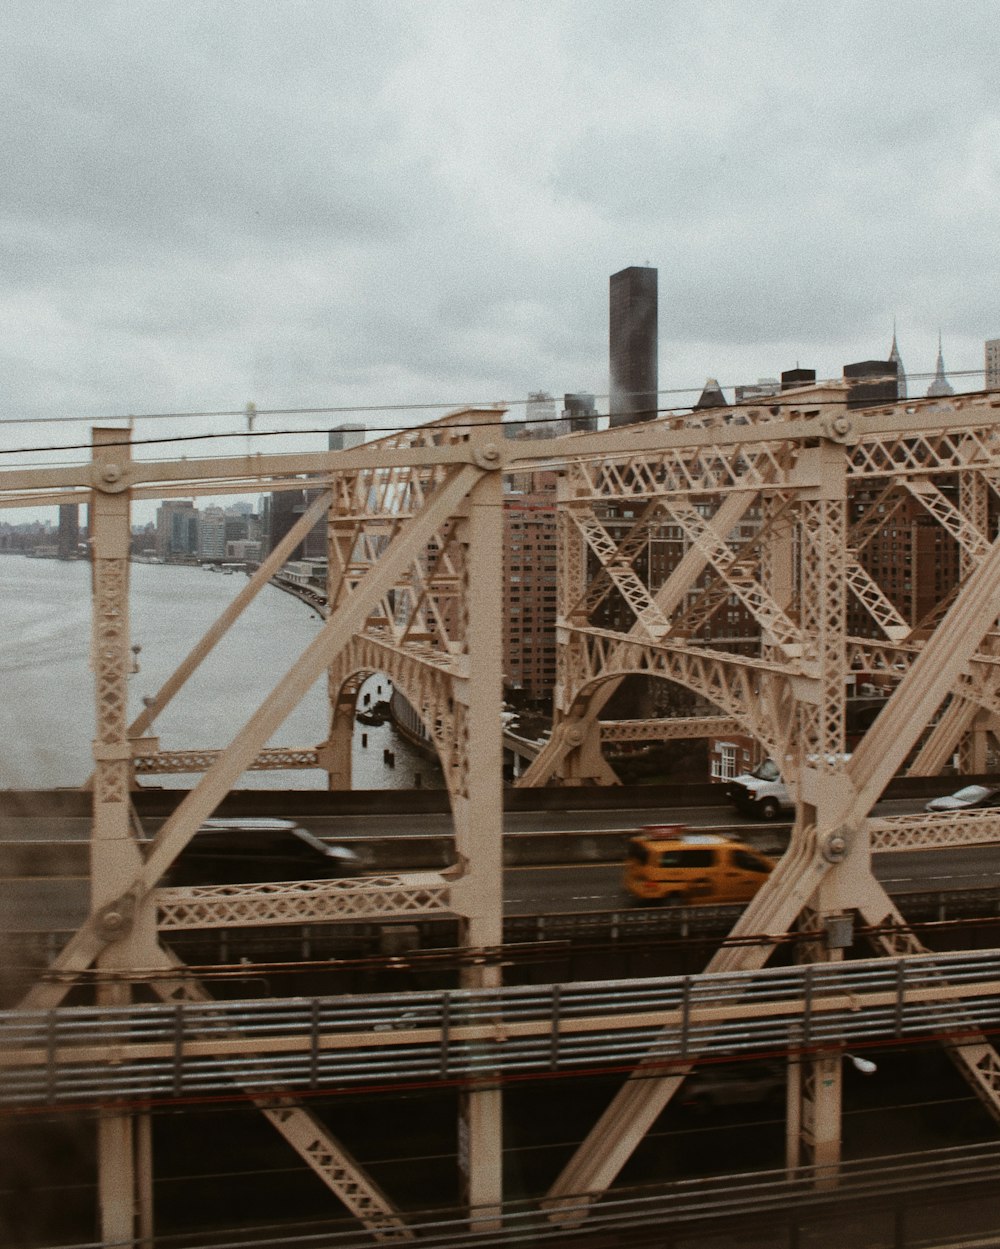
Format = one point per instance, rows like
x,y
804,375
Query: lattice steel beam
x,y
197,806
326,1156
966,534
649,618
272,758
675,728
974,1056
869,594
933,830
386,896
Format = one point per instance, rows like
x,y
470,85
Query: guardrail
x,y
188,1050
876,1200
36,949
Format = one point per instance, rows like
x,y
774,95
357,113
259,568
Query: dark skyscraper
x,y
69,530
284,507
872,382
579,410
633,346
791,378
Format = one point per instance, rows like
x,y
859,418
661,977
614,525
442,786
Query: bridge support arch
x,y
417,542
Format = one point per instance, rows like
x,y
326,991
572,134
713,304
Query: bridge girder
x,y
415,552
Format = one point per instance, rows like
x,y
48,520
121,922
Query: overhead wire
x,y
214,435
354,409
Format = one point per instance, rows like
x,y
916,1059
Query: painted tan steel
x,y
222,1045
415,544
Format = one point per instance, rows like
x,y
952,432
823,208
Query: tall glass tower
x,y
633,345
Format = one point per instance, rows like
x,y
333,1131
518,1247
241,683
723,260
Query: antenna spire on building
x,y
900,373
940,386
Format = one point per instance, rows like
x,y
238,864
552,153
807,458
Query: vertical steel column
x,y
822,781
973,503
777,558
336,752
582,761
571,587
793,1116
341,540
570,592
823,567
143,1127
820,1117
813,1128
973,752
478,803
115,858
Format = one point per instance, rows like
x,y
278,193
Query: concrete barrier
x,y
303,803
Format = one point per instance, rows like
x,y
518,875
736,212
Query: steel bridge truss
x,y
758,505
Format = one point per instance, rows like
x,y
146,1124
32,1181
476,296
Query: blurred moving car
x,y
967,798
739,1084
245,850
666,863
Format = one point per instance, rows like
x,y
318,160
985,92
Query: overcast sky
x,y
312,203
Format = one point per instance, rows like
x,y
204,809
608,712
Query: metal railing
x,y
884,1194
193,1049
932,905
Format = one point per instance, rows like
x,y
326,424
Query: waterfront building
x,y
307,573
991,364
176,529
212,534
243,551
529,571
633,345
69,530
314,543
24,537
282,509
236,524
913,559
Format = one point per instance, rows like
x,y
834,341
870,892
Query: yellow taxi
x,y
667,863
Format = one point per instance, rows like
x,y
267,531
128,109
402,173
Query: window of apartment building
x,y
724,767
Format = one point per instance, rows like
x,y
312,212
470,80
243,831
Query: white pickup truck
x,y
761,792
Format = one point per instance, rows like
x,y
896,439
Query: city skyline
x,y
539,406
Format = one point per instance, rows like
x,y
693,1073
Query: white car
x,y
964,799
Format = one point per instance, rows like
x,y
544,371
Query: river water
x,y
47,703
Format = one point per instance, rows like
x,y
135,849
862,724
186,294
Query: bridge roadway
x,y
553,881
888,1109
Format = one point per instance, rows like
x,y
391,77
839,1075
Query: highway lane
x,y
420,824
35,904
573,818
597,887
